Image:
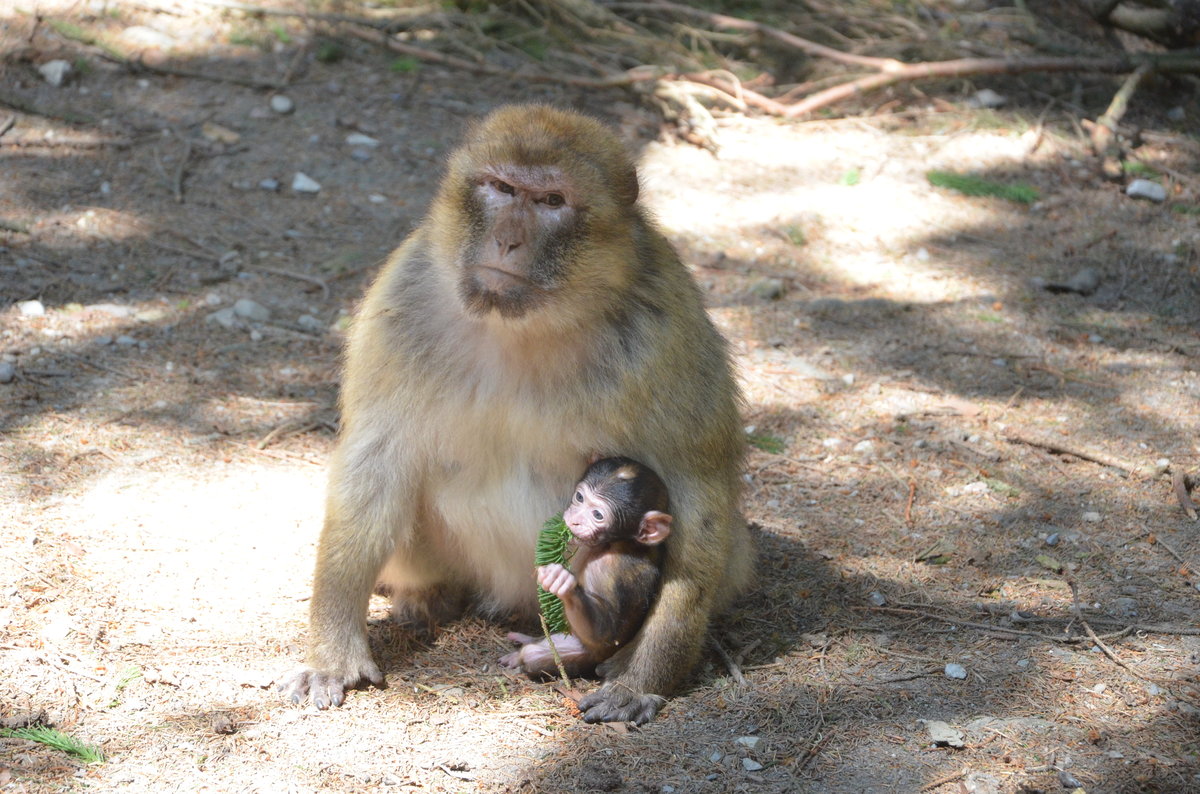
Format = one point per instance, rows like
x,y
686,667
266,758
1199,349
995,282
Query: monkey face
x,y
591,518
523,224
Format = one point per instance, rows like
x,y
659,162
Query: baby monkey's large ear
x,y
654,529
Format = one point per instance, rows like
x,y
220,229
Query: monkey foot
x,y
617,703
327,689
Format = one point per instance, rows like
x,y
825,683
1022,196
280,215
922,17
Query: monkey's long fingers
x,y
519,638
326,689
618,703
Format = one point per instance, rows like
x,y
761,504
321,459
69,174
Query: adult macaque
x,y
619,518
534,320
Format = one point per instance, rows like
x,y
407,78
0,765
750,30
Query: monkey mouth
x,y
494,279
487,289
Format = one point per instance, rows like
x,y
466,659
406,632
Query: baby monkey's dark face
x,y
618,499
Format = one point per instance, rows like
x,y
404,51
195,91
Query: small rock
x,y
1084,282
980,783
987,98
31,309
124,340
832,443
1176,113
104,340
376,198
251,310
282,104
877,598
848,379
716,756
269,184
1091,517
223,317
1145,189
358,139
955,671
1128,607
55,72
7,372
943,735
310,324
975,487
1153,690
218,134
748,741
303,183
865,448
750,765
767,289
1052,539
360,155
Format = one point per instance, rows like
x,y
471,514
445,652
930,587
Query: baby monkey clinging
x,y
618,517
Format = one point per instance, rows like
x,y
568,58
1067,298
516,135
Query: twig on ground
x,y
1078,612
941,781
1179,483
7,125
1058,448
735,672
293,428
1104,133
320,282
177,179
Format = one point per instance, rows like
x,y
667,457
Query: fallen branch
x,y
1104,134
298,276
1061,449
970,67
638,74
735,672
1092,635
1179,483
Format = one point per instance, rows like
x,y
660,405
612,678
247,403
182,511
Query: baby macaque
x,y
618,517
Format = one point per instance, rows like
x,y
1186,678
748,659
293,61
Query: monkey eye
x,y
596,514
504,187
554,200
578,496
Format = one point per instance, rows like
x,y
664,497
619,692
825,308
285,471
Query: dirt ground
x,y
952,465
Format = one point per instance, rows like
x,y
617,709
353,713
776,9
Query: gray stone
x,y
768,289
987,98
7,372
269,184
360,155
251,310
750,765
1176,113
310,324
223,317
358,139
303,183
955,671
1145,189
55,72
282,104
748,741
124,340
31,309
944,735
1084,282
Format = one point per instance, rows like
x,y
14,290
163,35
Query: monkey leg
x,y
422,594
535,659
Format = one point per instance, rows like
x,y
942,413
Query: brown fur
x,y
462,430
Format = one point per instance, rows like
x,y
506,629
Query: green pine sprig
x,y
552,548
43,734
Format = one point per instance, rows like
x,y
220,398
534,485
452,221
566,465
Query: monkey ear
x,y
655,527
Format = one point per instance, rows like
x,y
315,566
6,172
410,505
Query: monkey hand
x,y
556,579
328,688
616,702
